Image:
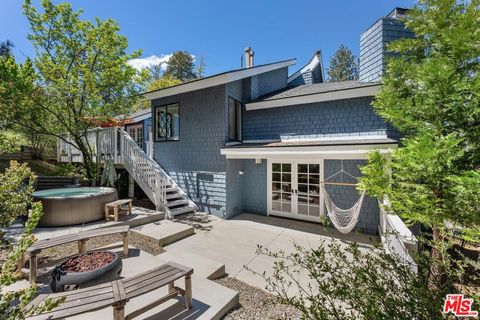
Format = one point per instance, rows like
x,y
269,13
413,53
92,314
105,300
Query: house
x,y
260,141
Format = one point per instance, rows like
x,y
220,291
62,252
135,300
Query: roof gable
x,y
218,79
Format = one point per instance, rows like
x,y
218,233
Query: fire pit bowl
x,y
84,270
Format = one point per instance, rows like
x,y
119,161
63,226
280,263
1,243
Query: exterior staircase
x,y
116,144
154,181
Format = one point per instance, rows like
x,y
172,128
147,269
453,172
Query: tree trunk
x,y
88,163
437,273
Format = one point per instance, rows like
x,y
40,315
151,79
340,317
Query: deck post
x,y
125,244
119,311
115,155
188,291
69,149
33,268
131,186
82,246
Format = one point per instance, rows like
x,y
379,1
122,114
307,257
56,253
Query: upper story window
x,y
234,120
167,122
136,132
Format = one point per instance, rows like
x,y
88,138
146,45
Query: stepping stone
x,y
164,232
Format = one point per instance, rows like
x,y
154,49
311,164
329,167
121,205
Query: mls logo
x,y
459,306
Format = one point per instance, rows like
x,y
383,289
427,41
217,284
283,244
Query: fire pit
x,y
85,270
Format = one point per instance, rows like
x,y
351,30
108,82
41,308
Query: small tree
x,y
163,82
338,281
343,65
181,66
431,94
201,67
80,73
6,47
16,187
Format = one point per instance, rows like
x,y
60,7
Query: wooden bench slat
x,y
146,275
131,285
147,288
118,202
84,292
82,308
84,235
85,300
117,292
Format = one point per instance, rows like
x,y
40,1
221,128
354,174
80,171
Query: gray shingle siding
x,y
373,46
268,82
304,78
195,162
246,192
349,117
345,197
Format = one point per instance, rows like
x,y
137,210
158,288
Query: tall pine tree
x,y
343,65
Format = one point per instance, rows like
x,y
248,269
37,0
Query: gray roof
x,y
315,88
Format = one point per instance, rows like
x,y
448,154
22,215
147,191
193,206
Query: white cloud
x,y
142,63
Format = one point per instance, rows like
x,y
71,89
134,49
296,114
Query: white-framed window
x,y
167,122
136,132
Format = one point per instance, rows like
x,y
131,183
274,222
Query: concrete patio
x,y
218,248
234,242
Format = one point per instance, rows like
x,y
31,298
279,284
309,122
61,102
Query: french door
x,y
294,189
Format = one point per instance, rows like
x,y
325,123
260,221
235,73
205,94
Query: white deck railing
x,y
396,237
115,143
146,172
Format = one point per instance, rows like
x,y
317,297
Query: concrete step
x,y
180,210
204,267
175,203
164,232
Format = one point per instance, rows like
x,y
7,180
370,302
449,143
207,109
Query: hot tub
x,y
70,206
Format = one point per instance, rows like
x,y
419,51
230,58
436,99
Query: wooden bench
x,y
118,206
117,293
81,238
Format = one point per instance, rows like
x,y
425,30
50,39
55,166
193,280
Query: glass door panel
x,y
281,200
308,189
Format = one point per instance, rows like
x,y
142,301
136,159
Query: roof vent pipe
x,y
249,54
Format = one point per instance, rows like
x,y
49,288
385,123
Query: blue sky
x,y
220,30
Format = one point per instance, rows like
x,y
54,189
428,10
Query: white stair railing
x,y
146,172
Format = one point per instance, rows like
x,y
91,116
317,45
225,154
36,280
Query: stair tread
x,y
183,209
177,202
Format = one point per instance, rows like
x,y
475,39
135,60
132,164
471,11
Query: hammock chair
x,y
344,220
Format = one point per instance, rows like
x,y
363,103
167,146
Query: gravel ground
x,y
256,303
61,252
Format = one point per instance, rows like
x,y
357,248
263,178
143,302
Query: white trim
x,y
366,91
308,152
142,117
217,80
335,138
312,64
